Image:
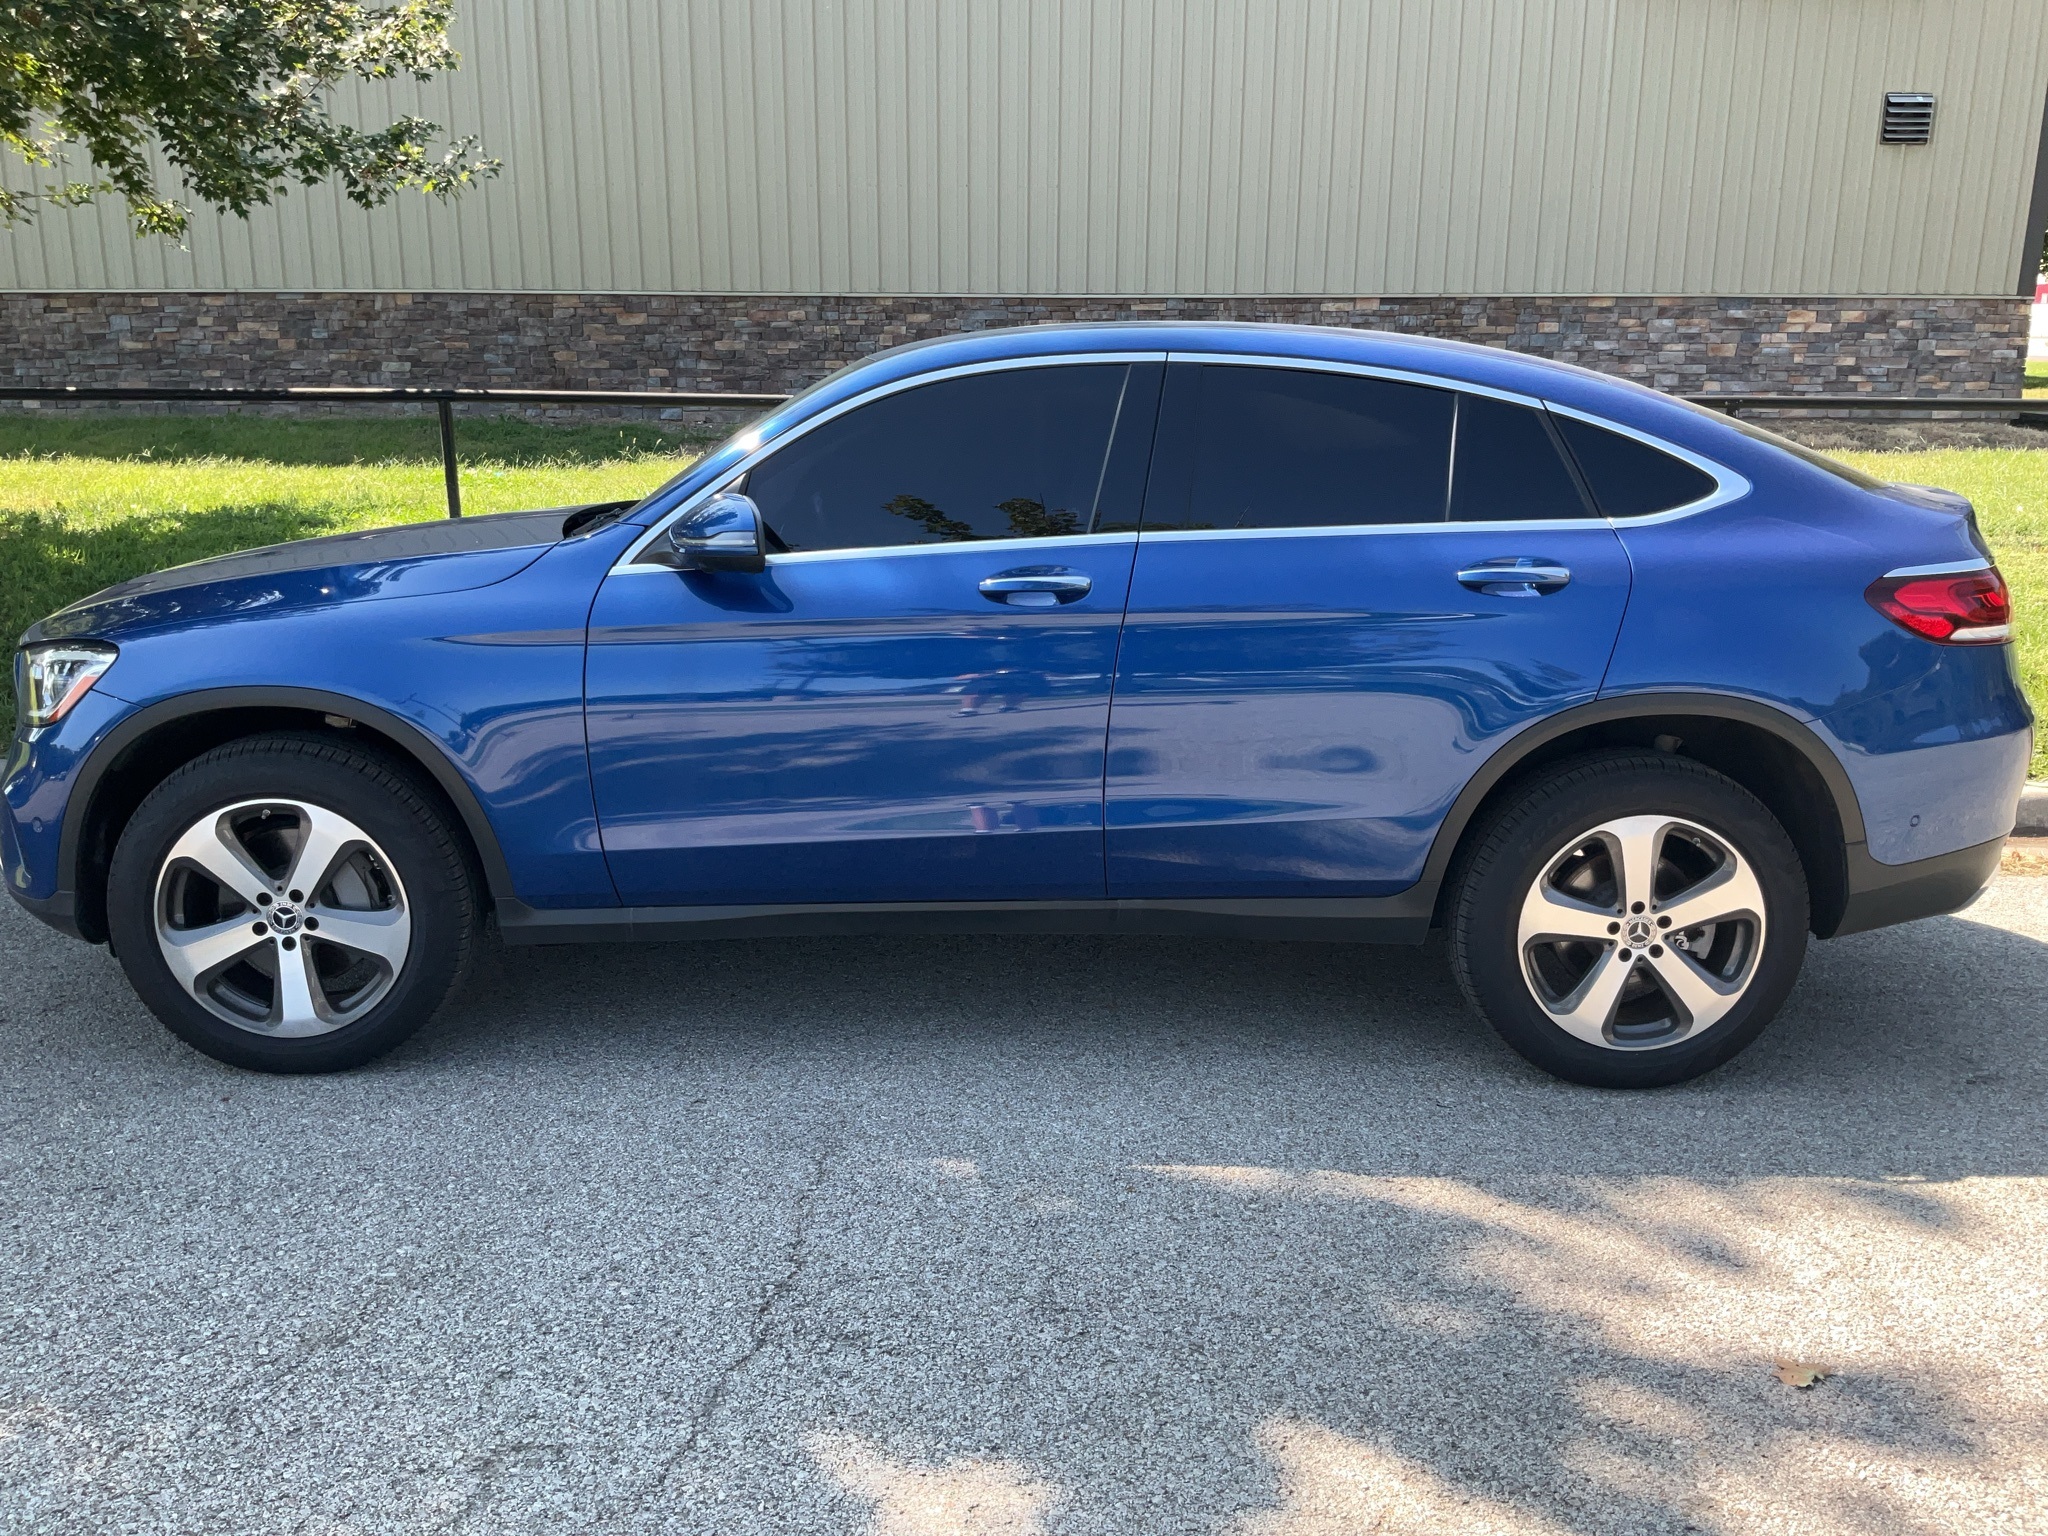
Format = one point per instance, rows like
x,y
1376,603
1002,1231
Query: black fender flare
x,y
420,747
1518,749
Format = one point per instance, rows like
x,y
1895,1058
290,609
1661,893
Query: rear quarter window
x,y
1629,478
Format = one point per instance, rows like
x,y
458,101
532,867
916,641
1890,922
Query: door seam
x,y
1123,622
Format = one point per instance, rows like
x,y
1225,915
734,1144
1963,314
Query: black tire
x,y
1523,843
382,800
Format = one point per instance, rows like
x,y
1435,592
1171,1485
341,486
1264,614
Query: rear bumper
x,y
1883,894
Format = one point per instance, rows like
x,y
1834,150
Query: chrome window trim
x,y
870,552
1951,568
1729,485
625,564
1360,530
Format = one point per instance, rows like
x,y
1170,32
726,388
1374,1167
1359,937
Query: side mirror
x,y
722,535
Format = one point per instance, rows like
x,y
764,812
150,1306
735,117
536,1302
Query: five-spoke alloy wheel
x,y
291,904
1641,931
1629,920
281,917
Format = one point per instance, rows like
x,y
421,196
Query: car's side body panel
x,y
1296,713
861,725
1854,895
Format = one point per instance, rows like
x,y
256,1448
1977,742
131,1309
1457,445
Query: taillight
x,y
1958,608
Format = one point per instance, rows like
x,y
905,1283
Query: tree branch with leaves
x,y
232,93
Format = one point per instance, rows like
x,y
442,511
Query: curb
x,y
2033,814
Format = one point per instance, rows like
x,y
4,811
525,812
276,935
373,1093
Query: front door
x,y
1348,591
911,703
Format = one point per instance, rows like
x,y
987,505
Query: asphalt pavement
x,y
938,1236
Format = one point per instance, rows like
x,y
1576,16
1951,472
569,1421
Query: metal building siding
x,y
1169,146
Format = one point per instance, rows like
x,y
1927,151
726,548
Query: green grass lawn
x,y
88,501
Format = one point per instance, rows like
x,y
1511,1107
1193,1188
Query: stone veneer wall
x,y
720,342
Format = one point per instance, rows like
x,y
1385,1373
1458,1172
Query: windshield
x,y
752,424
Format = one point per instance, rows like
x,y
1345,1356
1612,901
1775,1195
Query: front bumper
x,y
36,806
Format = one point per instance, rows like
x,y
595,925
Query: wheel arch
x,y
1771,753
145,748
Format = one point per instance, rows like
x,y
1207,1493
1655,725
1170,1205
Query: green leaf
x,y
232,93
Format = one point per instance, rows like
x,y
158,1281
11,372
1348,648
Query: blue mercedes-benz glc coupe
x,y
1210,629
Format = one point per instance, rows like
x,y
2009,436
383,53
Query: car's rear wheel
x,y
290,904
1630,920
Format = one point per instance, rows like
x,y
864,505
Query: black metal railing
x,y
1969,405
445,400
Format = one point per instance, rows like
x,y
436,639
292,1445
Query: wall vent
x,y
1908,118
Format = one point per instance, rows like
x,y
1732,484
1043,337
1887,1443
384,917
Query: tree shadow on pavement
x,y
1274,1239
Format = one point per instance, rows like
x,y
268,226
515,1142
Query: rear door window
x,y
1508,467
1017,454
1629,478
1256,447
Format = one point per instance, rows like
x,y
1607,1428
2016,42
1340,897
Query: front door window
x,y
1018,454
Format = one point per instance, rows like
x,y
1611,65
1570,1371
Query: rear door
x,y
911,702
1348,591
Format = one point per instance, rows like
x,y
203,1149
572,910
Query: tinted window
x,y
1630,478
1018,454
1285,448
1506,465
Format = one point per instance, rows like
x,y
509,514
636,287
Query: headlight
x,y
49,679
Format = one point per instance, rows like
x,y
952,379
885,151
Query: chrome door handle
x,y
1036,586
1522,576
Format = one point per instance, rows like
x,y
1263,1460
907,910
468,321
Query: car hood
x,y
414,560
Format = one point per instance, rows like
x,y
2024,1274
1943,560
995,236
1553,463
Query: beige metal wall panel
x,y
1388,147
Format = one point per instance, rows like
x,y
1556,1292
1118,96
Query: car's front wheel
x,y
290,904
1630,920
